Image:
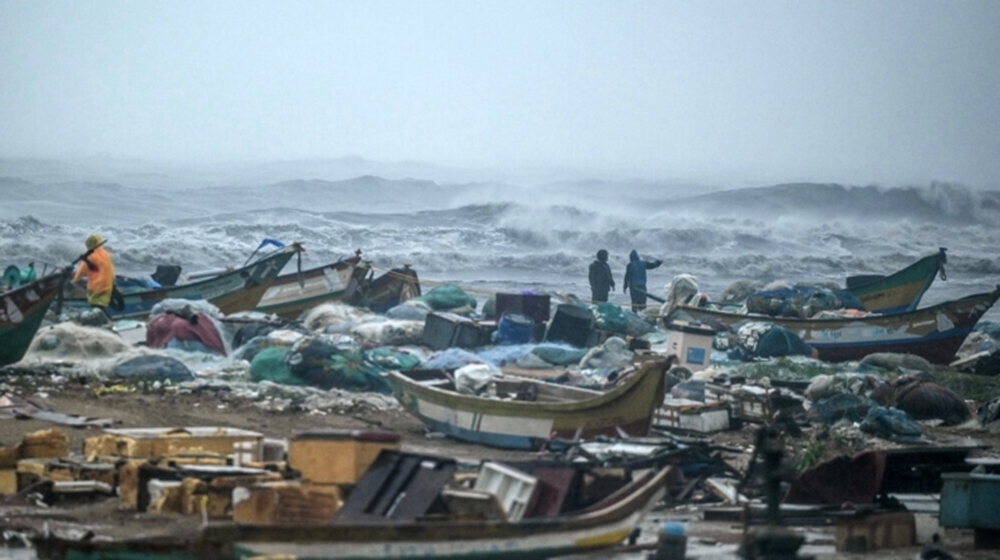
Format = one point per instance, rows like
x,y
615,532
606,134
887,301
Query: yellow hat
x,y
93,241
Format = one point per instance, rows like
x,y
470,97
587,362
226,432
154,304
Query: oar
x,y
649,295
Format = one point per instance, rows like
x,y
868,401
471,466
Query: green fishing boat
x,y
902,290
21,313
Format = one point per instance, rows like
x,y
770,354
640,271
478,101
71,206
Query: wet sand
x,y
216,407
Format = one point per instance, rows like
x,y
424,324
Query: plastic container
x,y
692,343
672,544
970,500
513,488
534,306
514,329
571,324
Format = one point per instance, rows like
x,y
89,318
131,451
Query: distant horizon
x,y
531,174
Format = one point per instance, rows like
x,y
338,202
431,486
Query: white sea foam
x,y
494,236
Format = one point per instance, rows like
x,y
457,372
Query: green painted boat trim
x,y
31,302
902,290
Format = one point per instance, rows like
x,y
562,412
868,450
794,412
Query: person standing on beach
x,y
99,270
635,278
601,280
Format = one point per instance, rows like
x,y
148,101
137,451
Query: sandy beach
x,y
218,406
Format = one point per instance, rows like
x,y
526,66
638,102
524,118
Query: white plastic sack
x,y
611,355
476,379
683,289
390,332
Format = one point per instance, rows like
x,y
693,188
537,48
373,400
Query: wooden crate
x,y
168,442
877,531
30,471
286,502
128,484
9,457
8,482
746,402
338,456
44,444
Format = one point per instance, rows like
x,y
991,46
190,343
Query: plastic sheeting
x,y
152,368
891,424
611,355
322,316
389,332
845,406
477,379
184,326
452,359
824,386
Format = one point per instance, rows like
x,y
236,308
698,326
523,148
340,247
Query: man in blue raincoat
x,y
635,278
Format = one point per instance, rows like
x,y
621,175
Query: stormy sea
x,y
489,232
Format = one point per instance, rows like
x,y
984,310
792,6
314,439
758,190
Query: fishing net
x,y
269,365
800,301
446,298
152,368
767,340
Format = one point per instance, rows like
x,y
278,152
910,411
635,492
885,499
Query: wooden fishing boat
x,y
934,333
232,291
21,313
350,280
902,290
603,525
538,412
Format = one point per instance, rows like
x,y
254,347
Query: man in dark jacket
x,y
635,278
601,281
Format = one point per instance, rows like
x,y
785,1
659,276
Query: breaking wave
x,y
494,234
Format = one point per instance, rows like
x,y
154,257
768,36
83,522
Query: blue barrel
x,y
514,329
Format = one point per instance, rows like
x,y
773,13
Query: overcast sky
x,y
864,91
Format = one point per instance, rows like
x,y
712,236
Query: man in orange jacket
x,y
99,270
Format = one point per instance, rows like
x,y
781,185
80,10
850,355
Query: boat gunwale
x,y
633,497
157,295
940,258
457,401
874,318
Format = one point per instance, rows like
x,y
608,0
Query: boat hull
x,y
346,280
934,333
903,290
512,424
21,313
601,526
231,292
292,294
598,527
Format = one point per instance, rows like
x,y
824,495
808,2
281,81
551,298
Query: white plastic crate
x,y
512,487
693,416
